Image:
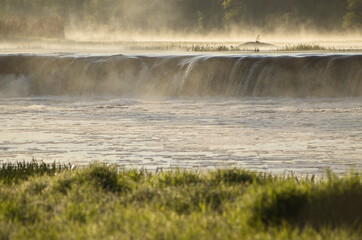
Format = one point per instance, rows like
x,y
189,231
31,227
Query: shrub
x,y
104,177
336,203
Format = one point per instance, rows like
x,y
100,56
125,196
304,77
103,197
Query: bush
x,y
104,177
336,203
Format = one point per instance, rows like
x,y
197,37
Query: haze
x,y
282,21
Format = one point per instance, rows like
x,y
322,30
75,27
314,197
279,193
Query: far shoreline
x,y
54,46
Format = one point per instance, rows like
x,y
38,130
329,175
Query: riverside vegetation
x,y
50,201
45,18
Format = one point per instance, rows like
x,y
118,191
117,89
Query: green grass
x,y
13,173
50,201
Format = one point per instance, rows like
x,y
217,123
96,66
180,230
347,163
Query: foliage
x,y
175,16
353,18
103,202
334,203
13,173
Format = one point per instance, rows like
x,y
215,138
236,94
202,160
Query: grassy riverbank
x,y
40,201
34,45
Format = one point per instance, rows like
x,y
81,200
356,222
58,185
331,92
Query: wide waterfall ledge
x,y
296,76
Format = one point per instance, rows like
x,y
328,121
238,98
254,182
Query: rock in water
x,y
257,45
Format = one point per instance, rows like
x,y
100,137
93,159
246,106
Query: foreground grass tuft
x,y
48,201
334,203
13,173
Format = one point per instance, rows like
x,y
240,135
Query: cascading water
x,y
236,76
271,113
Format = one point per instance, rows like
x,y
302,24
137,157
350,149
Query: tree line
x,y
189,16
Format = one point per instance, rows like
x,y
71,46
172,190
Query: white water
x,y
270,134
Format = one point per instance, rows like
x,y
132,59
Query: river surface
x,y
279,135
299,113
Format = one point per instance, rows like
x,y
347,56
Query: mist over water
x,y
179,20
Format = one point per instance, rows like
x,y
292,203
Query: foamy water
x,y
270,134
297,113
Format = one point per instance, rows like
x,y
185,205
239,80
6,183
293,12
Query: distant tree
x,y
353,18
233,10
189,16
